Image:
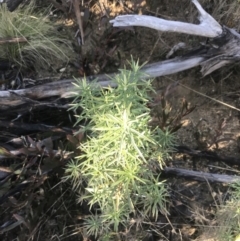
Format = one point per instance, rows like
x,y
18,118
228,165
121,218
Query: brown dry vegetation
x,y
47,209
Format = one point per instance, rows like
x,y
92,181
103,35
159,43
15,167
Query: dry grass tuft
x,y
43,43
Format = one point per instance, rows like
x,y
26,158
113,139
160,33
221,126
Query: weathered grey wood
x,y
208,26
201,176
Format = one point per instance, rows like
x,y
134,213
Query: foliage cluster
x,y
115,160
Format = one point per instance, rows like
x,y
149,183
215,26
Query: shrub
x,y
116,161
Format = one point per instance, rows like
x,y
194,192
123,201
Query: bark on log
x,y
201,176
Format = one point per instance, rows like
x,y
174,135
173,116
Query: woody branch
x,y
208,26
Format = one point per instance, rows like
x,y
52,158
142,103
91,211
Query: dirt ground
x,y
216,99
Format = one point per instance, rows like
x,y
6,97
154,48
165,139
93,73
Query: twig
x,y
13,40
79,18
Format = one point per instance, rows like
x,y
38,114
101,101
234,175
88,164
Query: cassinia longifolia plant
x,y
114,172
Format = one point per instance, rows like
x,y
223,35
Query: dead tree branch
x,y
208,26
222,48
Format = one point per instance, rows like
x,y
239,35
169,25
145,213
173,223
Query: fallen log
x,y
65,88
201,176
